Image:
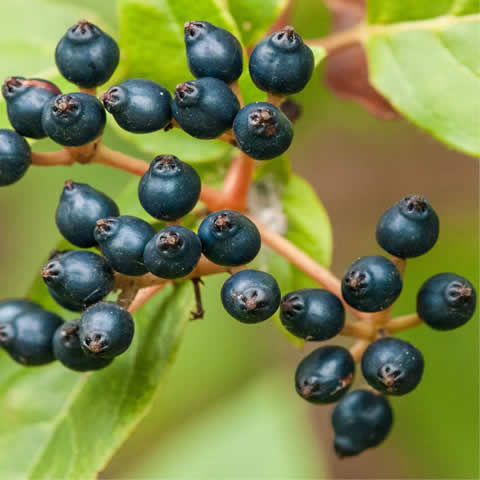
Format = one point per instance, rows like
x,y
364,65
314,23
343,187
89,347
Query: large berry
x,y
25,101
251,296
15,157
446,301
139,105
86,55
408,229
262,131
12,307
123,240
205,108
213,52
79,209
169,189
313,314
229,238
392,366
371,284
281,63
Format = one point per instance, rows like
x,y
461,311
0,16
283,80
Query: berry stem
x,y
404,322
276,100
143,296
89,91
199,310
237,181
358,349
363,330
50,159
112,158
238,93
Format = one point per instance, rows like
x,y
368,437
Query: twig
x,y
358,349
143,296
50,159
199,311
359,329
404,322
238,180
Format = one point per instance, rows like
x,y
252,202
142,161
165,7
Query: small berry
x,y
12,307
15,157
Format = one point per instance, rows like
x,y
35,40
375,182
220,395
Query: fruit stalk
x,y
404,322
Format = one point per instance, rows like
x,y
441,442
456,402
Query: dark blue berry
x,y
262,131
79,209
371,284
229,238
12,307
213,52
15,157
87,56
123,240
282,63
251,296
325,375
169,189
446,301
139,105
205,108
313,314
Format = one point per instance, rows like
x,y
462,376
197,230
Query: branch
x,y
362,329
404,322
50,159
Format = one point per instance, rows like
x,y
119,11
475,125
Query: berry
x,y
73,119
446,301
262,131
313,314
229,238
11,308
78,278
173,252
408,229
123,240
213,52
361,420
371,284
392,366
87,56
251,296
15,157
139,105
79,209
25,101
205,108
169,189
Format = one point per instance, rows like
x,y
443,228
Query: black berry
x,y
15,157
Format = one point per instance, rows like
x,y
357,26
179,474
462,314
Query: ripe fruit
x,y
229,238
79,209
251,296
123,240
213,52
361,420
371,284
25,101
169,189
262,131
12,307
173,252
313,314
325,375
139,105
73,119
446,301
205,108
78,278
408,229
106,330
392,366
281,63
87,56
15,157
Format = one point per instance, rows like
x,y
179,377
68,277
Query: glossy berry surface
x,y
371,284
262,131
25,100
87,56
392,366
78,210
361,420
12,307
205,108
73,119
169,189
78,278
251,296
312,313
123,240
409,229
173,252
15,157
106,330
139,105
446,301
213,52
281,63
229,238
